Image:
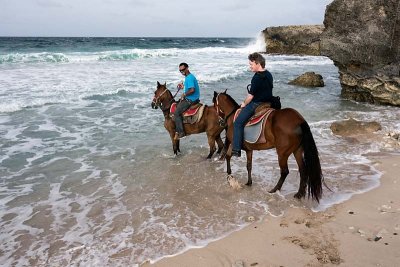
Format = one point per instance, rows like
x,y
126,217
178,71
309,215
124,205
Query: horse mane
x,y
168,91
231,99
170,94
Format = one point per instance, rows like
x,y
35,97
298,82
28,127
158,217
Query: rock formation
x,y
353,127
302,40
309,79
363,40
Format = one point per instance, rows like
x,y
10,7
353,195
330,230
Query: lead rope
x,y
176,92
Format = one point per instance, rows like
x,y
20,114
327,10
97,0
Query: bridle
x,y
156,100
222,119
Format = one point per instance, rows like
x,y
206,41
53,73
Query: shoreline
x,y
356,232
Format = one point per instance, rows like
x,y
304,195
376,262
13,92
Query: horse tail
x,y
312,164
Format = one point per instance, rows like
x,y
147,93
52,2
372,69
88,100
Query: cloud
x,y
179,18
50,3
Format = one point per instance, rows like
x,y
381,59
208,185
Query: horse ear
x,y
165,84
225,91
215,94
158,84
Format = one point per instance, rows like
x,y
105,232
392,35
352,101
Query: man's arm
x,y
189,92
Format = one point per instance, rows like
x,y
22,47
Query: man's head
x,y
256,62
184,68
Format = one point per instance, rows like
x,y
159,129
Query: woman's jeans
x,y
240,122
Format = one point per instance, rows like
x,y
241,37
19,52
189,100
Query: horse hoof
x,y
272,191
249,184
298,195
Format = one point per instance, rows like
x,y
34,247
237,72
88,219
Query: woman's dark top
x,y
261,86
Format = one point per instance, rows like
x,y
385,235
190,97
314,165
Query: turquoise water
x,y
87,172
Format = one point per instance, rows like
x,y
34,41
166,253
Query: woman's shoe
x,y
236,153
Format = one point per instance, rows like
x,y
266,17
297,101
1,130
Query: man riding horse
x,y
189,97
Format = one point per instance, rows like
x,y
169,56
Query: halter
x,y
220,114
155,99
157,103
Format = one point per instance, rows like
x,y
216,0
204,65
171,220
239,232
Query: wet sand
x,y
362,231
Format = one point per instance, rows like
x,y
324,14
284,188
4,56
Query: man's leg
x,y
180,108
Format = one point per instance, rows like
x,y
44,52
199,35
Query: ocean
x,y
87,172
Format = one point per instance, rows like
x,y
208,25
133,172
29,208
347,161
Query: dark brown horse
x,y
289,133
208,123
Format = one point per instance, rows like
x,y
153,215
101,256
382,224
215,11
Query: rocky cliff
x,y
363,40
302,40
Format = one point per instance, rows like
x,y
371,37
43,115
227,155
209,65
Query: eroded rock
x,y
353,127
301,40
309,79
363,40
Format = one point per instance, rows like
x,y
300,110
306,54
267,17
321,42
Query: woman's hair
x,y
257,58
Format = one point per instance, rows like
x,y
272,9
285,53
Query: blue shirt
x,y
191,82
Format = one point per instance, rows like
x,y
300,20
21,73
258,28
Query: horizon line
x,y
44,36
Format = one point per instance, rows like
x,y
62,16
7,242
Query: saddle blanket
x,y
191,115
255,126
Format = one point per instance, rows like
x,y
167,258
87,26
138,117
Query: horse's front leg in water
x,y
175,143
228,164
249,156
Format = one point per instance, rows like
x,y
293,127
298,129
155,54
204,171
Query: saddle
x,y
255,126
192,115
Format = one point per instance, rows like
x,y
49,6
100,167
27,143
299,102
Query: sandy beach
x,y
362,231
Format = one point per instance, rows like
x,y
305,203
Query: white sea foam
x,y
98,160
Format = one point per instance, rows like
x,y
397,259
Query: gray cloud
x,y
205,18
50,3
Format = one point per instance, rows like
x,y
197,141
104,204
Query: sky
x,y
154,18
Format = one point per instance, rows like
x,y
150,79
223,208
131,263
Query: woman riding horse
x,y
289,133
208,123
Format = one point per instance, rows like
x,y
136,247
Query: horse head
x,y
162,97
225,106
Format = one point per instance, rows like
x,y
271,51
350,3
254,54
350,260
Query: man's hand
x,y
180,85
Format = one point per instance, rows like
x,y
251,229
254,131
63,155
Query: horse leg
x,y
219,143
298,154
228,164
282,158
225,149
175,143
211,143
177,146
249,156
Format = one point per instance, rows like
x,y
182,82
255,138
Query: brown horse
x,y
289,133
208,123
